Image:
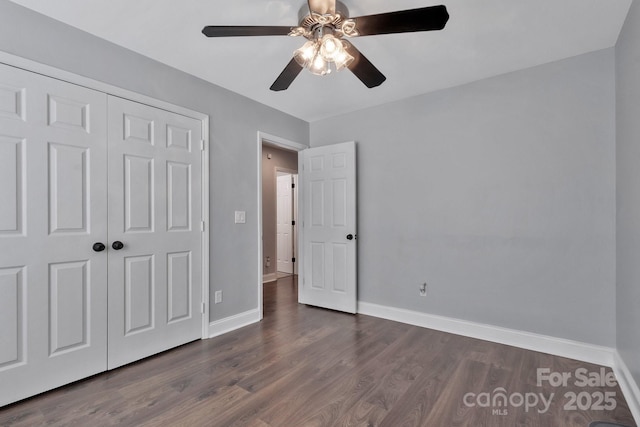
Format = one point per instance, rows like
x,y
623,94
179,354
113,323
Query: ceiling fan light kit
x,y
325,26
321,55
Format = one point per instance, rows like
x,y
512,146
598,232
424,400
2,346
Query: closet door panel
x,y
12,192
53,287
155,284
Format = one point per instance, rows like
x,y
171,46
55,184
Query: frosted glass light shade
x,y
342,58
330,47
305,55
319,66
320,55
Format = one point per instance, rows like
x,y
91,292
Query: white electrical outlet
x,y
240,217
218,297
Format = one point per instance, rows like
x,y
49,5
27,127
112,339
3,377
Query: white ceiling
x,y
482,39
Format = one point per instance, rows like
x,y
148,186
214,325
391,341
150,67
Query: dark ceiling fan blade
x,y
364,69
322,7
287,76
404,21
242,31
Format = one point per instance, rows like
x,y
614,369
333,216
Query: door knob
x,y
117,245
99,247
349,236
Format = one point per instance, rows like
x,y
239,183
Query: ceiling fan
x,y
325,25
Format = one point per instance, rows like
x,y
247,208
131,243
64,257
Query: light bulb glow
x,y
319,66
306,53
343,58
320,55
330,47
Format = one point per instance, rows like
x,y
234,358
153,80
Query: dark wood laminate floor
x,y
303,366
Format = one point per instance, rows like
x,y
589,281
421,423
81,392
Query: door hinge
x,y
293,260
293,185
293,223
201,225
204,308
202,144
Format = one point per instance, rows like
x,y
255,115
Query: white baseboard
x,y
271,277
628,386
232,323
546,344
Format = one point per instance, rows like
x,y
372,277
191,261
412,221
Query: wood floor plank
x,y
327,365
304,366
424,392
196,411
404,362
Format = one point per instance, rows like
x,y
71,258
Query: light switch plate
x,y
241,217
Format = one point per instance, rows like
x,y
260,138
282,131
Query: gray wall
x,y
499,194
235,121
628,191
279,159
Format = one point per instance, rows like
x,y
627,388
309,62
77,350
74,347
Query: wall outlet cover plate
x,y
241,217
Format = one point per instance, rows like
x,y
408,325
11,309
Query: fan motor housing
x,y
311,21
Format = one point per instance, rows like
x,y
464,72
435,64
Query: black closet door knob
x,y
99,247
117,245
349,236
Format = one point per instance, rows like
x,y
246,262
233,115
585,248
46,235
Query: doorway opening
x,y
278,197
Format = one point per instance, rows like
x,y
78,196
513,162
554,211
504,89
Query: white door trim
x,y
56,73
287,145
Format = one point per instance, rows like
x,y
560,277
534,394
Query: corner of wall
x,y
628,385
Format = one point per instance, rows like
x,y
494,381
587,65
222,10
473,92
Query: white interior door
x,y
155,279
328,179
284,227
295,224
53,193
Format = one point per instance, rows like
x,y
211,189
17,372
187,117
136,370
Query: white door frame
x,y
49,71
287,145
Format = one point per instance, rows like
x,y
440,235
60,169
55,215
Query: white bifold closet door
x,y
155,284
53,208
80,169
